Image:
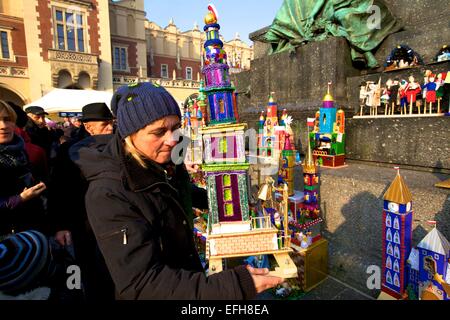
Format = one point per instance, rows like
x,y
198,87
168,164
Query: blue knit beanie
x,y
23,261
139,104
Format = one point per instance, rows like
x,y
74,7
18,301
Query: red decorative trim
x,y
383,255
391,292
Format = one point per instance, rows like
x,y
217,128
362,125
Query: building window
x,y
188,73
69,28
164,71
5,45
120,59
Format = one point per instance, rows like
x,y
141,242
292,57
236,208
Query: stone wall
x,y
299,80
421,142
425,22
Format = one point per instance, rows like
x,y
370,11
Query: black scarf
x,y
12,155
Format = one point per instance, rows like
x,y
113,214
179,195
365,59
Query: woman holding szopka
x,y
139,205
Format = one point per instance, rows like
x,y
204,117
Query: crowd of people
x,y
101,192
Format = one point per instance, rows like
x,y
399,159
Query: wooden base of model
x,y
286,267
257,242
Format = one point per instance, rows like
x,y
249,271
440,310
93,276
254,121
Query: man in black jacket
x,y
37,129
139,205
66,203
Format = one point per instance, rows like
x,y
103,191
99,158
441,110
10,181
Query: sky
x,y
242,16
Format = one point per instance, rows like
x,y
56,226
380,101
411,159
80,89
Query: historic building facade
x,y
50,44
100,45
174,58
128,43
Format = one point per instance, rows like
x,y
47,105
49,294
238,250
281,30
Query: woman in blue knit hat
x,y
139,205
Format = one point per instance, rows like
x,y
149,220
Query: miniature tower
x,y
261,122
328,137
224,155
307,220
269,142
221,97
397,237
287,165
231,230
202,102
311,185
434,255
191,127
327,114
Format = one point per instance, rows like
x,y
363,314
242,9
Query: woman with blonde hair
x,y
139,204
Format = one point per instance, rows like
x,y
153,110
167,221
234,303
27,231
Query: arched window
x,y
64,79
84,80
388,221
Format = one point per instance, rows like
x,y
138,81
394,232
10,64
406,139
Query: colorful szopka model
x,y
397,238
287,158
402,56
306,220
443,54
193,121
271,133
328,139
411,273
434,272
231,230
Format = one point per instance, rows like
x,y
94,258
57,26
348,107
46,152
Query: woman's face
x,y
157,140
6,127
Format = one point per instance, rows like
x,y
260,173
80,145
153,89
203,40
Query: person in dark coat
x,y
21,207
36,155
66,203
139,205
37,129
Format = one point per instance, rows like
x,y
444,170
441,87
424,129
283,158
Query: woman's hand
x,y
191,168
262,280
63,237
30,193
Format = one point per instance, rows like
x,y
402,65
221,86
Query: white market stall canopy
x,y
70,100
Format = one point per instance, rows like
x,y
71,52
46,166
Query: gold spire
x,y
398,192
271,100
212,16
328,96
310,165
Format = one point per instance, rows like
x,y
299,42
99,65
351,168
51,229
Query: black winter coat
x,y
22,215
144,231
42,137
